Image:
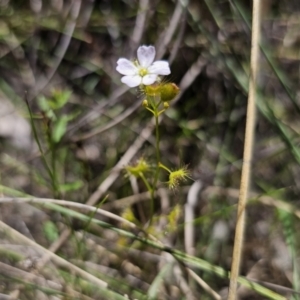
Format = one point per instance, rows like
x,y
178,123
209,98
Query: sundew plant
x,y
144,73
149,150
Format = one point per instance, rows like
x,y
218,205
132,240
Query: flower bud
x,y
178,176
140,167
152,90
168,91
166,105
145,103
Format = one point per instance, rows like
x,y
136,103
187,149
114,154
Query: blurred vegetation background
x,y
68,127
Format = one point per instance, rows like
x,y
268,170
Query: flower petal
x,y
126,67
160,67
149,79
132,81
146,55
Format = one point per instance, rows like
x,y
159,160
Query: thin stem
x,y
157,140
53,165
151,191
146,182
150,110
154,103
248,150
36,138
160,112
164,167
157,166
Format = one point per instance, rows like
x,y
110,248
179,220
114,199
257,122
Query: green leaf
x,y
43,104
71,186
50,231
59,99
59,128
154,289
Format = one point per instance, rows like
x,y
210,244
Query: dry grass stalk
x,y
248,150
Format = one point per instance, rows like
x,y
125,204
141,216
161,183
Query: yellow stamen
x,y
143,72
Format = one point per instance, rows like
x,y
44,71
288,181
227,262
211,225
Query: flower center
x,y
143,72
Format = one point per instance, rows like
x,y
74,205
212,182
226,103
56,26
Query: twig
x,y
9,271
204,285
62,46
69,203
130,200
139,24
7,230
189,216
180,35
7,297
23,276
168,33
97,110
266,200
248,149
109,125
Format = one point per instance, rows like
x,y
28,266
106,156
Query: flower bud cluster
x,y
178,176
165,92
145,72
139,168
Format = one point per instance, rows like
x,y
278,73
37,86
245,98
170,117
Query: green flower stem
x,y
151,191
154,102
158,104
149,188
157,139
151,110
164,167
160,112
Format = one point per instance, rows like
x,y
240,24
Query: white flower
x,y
144,70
